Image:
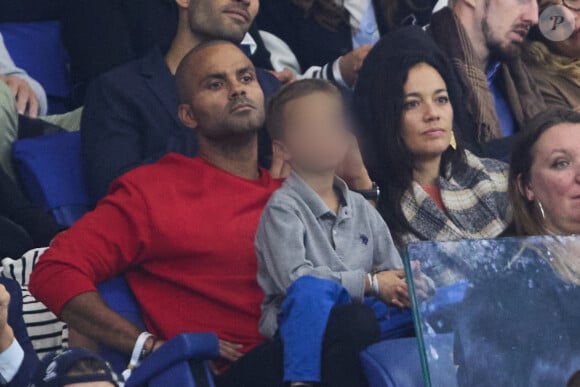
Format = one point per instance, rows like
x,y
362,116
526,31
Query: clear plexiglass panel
x,y
497,313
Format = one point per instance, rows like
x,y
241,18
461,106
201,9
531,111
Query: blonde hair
x,y
560,252
539,54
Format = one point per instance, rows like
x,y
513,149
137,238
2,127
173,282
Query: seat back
x,y
50,171
396,363
38,49
181,361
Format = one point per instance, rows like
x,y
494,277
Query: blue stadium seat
x,y
118,296
171,365
37,48
50,171
396,363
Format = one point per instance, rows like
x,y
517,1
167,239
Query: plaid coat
x,y
476,202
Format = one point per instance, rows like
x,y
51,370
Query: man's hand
x,y
353,170
26,99
6,332
393,288
285,76
230,351
351,63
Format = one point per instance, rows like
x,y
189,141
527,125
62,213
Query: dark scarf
x,y
524,97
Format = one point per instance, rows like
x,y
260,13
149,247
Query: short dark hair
x,y
527,220
293,91
183,73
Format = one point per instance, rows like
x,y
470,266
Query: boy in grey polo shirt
x,y
315,227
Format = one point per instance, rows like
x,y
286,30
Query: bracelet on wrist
x,y
375,285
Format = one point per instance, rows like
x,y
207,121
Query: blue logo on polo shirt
x,y
364,239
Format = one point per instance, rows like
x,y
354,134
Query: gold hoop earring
x,y
541,207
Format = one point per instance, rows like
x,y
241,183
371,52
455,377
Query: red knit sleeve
x,y
100,246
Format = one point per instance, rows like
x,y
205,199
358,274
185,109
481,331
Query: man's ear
x,y
525,189
280,151
187,117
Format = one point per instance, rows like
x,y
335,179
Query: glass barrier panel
x,y
497,313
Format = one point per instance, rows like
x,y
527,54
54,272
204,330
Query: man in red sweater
x,y
181,231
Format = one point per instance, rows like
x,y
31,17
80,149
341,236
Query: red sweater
x,y
183,232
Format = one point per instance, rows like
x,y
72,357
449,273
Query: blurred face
x,y
221,19
555,178
571,46
226,99
316,137
506,23
427,113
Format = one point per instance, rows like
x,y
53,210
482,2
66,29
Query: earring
x,y
541,207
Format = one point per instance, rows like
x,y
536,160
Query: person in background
x,y
130,116
29,94
484,40
544,182
544,189
102,35
74,367
319,244
23,226
555,65
17,357
166,234
20,95
405,101
330,39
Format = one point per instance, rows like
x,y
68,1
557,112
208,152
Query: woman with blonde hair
x,y
556,64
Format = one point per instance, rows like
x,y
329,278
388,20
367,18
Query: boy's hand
x,y
424,286
393,288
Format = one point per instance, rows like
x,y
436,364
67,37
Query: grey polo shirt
x,y
299,235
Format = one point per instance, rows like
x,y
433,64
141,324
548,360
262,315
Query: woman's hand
x,y
353,170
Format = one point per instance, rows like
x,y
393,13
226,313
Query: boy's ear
x,y
187,117
279,151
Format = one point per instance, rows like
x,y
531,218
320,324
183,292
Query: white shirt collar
x,y
250,42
